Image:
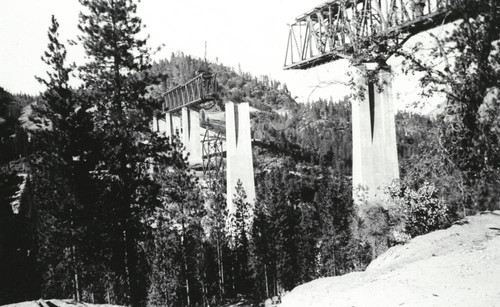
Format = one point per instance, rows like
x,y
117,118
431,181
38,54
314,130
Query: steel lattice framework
x,y
198,90
213,157
192,94
345,28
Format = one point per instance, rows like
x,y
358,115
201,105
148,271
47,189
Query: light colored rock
x,y
459,266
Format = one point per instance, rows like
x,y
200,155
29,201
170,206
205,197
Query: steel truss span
x,y
345,28
200,89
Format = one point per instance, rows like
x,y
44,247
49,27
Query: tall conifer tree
x,y
115,82
52,183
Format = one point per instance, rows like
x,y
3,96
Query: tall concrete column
x,y
169,119
162,126
176,125
191,135
155,124
239,161
173,125
375,157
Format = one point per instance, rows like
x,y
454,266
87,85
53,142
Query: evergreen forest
x,y
97,207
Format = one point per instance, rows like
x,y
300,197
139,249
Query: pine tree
x,y
334,205
57,99
178,237
262,251
52,180
240,231
115,93
215,220
287,224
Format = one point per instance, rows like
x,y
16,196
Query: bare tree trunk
x,y
204,289
187,279
127,273
108,297
131,269
220,263
267,284
78,295
183,248
275,280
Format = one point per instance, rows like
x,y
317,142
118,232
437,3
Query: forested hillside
x,y
302,163
110,212
261,92
305,225
11,143
318,132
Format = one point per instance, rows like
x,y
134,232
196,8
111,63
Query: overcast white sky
x,y
252,34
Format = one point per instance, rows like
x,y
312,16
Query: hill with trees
x,y
111,212
304,203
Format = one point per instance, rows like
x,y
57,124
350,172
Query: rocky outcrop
x,y
458,266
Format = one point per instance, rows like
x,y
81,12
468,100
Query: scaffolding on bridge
x,y
192,94
213,157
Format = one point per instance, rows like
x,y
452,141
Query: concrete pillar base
x,y
191,135
239,152
375,157
173,125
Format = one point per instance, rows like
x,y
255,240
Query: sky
x,y
247,34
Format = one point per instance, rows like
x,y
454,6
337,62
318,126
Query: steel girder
x,y
200,89
343,28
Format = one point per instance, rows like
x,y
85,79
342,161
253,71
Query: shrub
x,y
422,210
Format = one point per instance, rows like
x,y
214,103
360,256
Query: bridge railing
x,y
338,28
197,90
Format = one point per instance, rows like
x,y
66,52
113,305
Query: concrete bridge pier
x,y
155,125
191,135
375,157
239,152
173,125
159,125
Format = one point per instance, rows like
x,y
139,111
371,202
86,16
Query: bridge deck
x,y
200,89
342,29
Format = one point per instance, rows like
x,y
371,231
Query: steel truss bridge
x,y
361,29
200,89
195,92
